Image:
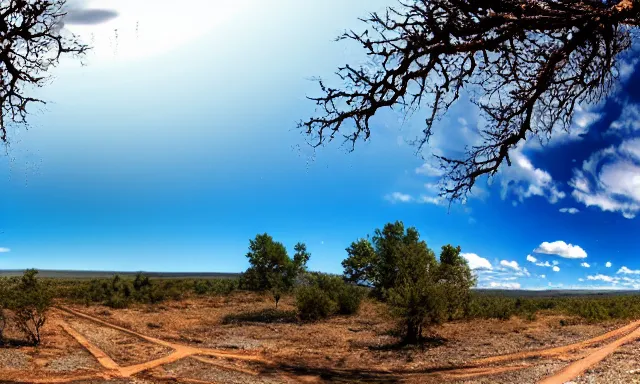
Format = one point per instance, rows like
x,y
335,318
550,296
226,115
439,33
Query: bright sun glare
x,y
144,28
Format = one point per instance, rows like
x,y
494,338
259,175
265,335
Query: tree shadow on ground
x,y
423,343
262,316
8,343
346,375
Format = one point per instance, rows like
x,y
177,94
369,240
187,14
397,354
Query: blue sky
x,y
168,153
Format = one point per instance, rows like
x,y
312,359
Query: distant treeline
x,y
77,274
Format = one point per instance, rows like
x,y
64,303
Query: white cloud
x,y
477,262
524,180
628,122
435,200
581,279
510,264
561,249
554,262
503,285
628,271
602,277
543,276
586,265
4,250
608,264
583,118
556,268
571,211
610,180
531,259
429,169
545,264
398,197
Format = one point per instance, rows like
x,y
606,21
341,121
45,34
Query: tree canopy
x,y
375,262
527,65
403,270
270,264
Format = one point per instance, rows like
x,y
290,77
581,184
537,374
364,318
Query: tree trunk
x,y
413,333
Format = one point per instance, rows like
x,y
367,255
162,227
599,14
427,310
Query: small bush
x,y
116,301
30,304
349,299
314,304
332,295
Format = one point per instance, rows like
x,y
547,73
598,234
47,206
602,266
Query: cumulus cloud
x,y
531,259
628,271
429,169
510,264
523,180
561,249
608,264
477,262
571,211
399,197
4,250
628,122
556,268
504,285
601,277
586,265
608,179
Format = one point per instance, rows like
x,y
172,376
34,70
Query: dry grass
x,y
363,347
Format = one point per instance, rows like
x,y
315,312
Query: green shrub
x,y
314,304
30,302
337,297
349,299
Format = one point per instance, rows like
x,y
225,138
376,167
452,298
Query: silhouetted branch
x,y
30,42
527,64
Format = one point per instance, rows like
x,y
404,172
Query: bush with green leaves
x,y
313,303
30,302
322,295
4,302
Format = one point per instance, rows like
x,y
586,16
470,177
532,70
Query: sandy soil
x,y
193,341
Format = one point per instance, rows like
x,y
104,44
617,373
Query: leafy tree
x,y
30,303
358,266
301,257
417,298
527,65
376,263
429,291
454,273
271,268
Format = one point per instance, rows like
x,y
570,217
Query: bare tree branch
x,y
527,64
30,43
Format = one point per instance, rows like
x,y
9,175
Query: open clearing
x,y
196,341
